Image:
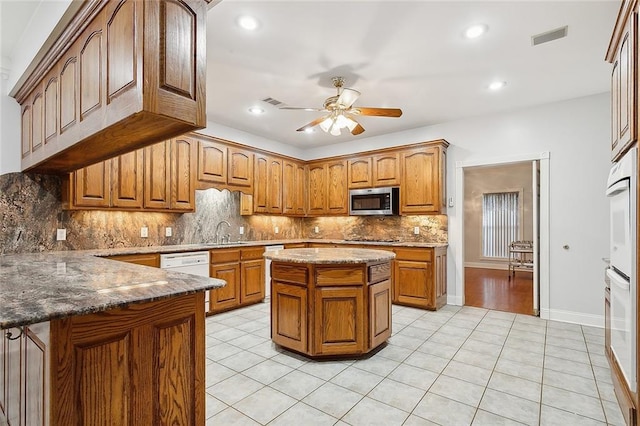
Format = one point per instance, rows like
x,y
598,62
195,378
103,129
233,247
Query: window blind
x,y
500,223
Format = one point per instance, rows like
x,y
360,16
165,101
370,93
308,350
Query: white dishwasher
x,y
267,270
194,263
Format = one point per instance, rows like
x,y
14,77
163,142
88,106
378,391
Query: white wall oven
x,y
621,192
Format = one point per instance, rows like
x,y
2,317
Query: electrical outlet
x,y
416,230
144,232
168,231
61,234
316,229
276,230
241,231
450,201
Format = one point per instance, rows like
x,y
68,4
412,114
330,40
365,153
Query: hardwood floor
x,y
491,289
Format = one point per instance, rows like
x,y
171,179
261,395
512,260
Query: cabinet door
x,y
317,195
127,179
359,173
93,185
289,316
151,259
274,186
615,107
339,320
337,192
228,296
413,284
240,168
260,186
379,313
183,174
289,196
157,176
212,162
301,190
626,97
252,276
440,277
35,380
386,169
13,352
3,372
420,181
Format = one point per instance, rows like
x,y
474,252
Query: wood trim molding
x,y
626,7
52,50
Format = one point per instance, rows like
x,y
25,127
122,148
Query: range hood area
x,y
122,75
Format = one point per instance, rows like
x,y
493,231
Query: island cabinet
x,y
328,192
622,54
223,166
420,277
330,310
243,270
158,177
122,75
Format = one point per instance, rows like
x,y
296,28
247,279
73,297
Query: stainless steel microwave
x,y
374,201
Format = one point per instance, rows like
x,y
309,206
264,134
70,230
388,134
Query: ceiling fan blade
x,y
313,123
357,130
347,97
378,112
303,108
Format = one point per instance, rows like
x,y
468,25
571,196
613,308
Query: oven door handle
x,y
620,282
617,188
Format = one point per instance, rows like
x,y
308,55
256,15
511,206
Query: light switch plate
x,y
276,230
316,229
241,231
61,234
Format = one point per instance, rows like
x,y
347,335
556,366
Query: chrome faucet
x,y
227,236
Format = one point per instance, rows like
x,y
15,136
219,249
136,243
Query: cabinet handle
x,y
11,337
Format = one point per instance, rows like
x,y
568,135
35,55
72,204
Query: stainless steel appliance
x,y
374,201
195,263
621,192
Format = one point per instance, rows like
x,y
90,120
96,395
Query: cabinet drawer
x,y
379,272
251,253
225,255
339,275
290,274
425,255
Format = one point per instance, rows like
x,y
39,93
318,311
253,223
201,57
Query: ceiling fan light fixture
x,y
326,124
248,23
476,31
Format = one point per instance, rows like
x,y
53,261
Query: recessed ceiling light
x,y
476,31
247,22
309,130
256,110
497,85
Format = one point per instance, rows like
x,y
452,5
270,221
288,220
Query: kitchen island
x,y
330,301
94,341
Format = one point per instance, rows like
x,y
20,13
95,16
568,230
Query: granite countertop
x,y
38,287
329,255
239,244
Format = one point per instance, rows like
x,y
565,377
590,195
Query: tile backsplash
x,y
31,211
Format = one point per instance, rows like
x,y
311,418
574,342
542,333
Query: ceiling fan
x,y
341,112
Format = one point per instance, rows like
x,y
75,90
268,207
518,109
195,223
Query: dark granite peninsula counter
x,y
330,301
77,328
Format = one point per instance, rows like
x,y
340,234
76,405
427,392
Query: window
x,y
500,223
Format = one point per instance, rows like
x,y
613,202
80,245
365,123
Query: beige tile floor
x,y
456,366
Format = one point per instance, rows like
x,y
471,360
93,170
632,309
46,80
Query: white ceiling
x,y
405,54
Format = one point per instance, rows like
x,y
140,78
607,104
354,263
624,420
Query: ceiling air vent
x,y
273,102
549,36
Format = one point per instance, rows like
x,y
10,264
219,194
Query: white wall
x,y
576,134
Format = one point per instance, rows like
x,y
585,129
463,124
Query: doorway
x,y
484,277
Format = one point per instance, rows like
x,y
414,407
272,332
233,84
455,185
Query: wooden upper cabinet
x,y
386,169
240,168
183,174
622,54
289,187
317,193
212,162
301,190
337,192
123,75
274,186
422,181
127,180
359,173
157,176
267,187
92,185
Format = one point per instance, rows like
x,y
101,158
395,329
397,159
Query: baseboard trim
x,y
486,265
454,300
573,317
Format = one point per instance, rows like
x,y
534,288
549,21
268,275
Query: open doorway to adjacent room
x,y
501,222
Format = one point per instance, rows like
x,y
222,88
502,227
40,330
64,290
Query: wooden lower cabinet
x,y
330,310
143,364
420,277
150,259
243,270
